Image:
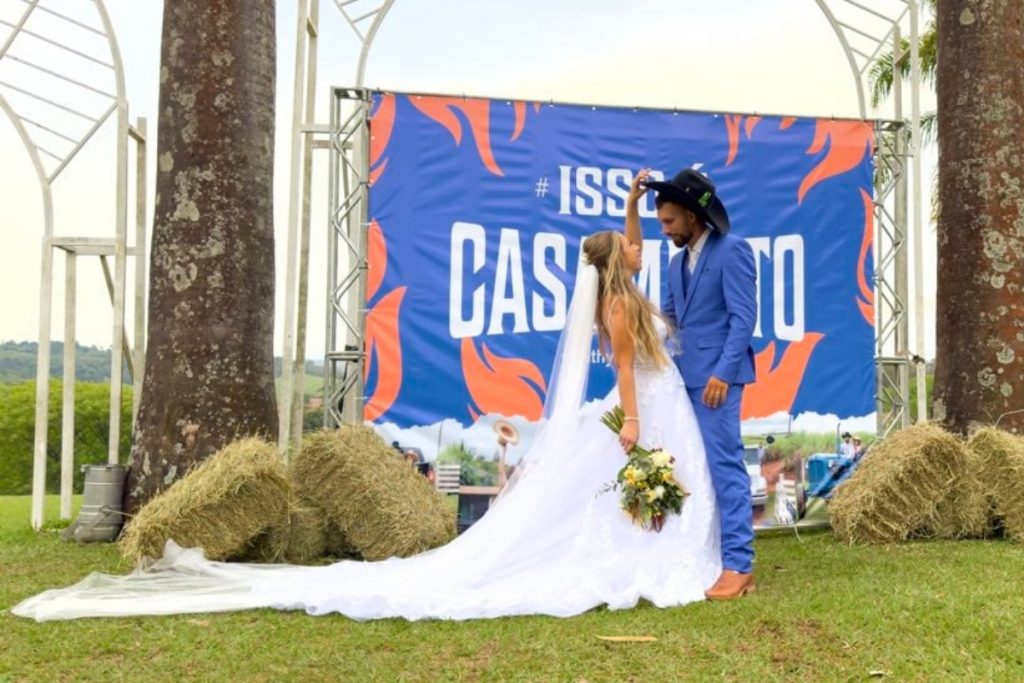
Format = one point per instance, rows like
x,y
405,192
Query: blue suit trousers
x,y
720,428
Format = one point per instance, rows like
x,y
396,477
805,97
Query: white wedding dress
x,y
553,544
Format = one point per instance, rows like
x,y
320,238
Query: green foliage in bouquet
x,y
649,488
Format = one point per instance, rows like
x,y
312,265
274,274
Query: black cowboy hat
x,y
692,190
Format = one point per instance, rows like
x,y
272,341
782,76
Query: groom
x,y
712,300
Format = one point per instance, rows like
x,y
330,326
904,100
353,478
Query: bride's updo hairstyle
x,y
604,251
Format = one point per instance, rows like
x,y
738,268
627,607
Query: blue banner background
x,y
799,189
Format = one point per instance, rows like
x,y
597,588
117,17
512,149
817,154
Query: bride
x,y
552,544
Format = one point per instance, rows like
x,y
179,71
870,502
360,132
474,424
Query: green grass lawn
x,y
823,611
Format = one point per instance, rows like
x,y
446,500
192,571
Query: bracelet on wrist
x,y
631,419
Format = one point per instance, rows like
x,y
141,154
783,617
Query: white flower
x,y
661,458
659,492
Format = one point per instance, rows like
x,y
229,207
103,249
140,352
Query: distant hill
x,y
92,364
313,367
18,362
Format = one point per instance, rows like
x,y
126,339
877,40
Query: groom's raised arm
x,y
739,285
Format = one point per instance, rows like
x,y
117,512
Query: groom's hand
x,y
715,393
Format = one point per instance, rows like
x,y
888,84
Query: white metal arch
x,y
59,40
864,33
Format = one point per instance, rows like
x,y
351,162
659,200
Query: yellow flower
x,y
666,477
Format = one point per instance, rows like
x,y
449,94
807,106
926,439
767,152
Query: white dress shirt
x,y
694,252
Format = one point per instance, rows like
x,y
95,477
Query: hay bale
x,y
380,505
965,511
267,547
220,506
1002,467
338,546
897,489
307,533
299,538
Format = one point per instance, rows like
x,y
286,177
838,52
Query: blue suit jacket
x,y
716,314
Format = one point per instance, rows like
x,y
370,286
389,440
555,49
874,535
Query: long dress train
x,y
554,545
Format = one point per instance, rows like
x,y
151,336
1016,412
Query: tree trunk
x,y
980,317
209,362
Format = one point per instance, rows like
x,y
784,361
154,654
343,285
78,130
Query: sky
x,y
757,56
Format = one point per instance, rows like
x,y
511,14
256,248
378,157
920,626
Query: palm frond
x,y
929,126
880,75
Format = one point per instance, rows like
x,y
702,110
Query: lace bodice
x,y
663,333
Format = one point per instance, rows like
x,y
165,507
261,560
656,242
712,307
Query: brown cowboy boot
x,y
731,585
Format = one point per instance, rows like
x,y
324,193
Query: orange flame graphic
x,y
377,257
775,389
787,122
383,343
384,347
866,300
382,123
476,111
751,122
732,129
508,386
520,110
848,142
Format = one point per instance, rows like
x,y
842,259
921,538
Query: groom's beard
x,y
679,241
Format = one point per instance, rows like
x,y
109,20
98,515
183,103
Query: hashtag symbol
x,y
541,188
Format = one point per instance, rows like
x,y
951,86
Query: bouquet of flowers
x,y
647,481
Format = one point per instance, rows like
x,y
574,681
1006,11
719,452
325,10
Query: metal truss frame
x,y
892,360
347,257
864,33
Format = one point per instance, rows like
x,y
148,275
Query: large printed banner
x,y
479,208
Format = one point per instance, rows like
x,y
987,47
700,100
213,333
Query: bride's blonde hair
x,y
604,251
